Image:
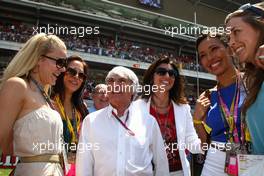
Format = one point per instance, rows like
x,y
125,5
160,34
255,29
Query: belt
x,y
220,148
49,158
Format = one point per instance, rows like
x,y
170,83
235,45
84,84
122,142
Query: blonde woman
x,y
27,120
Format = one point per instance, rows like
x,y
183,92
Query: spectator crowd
x,y
102,45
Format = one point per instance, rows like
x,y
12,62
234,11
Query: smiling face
x,y
119,90
72,80
48,70
214,56
164,79
243,39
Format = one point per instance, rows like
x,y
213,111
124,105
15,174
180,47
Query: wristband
x,y
206,127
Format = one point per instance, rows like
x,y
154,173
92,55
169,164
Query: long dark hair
x,y
176,93
77,99
254,76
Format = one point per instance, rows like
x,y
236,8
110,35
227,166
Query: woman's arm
x,y
201,107
11,102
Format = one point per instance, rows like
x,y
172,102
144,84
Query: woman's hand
x,y
201,106
259,60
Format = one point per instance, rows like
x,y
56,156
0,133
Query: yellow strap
x,y
206,127
64,117
247,135
197,122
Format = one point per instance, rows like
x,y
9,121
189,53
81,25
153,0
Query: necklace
x,y
43,93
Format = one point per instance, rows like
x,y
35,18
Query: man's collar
x,y
111,108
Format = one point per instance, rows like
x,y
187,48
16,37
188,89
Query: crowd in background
x,y
227,121
103,46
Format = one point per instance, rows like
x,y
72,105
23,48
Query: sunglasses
x,y
72,72
163,71
60,62
250,8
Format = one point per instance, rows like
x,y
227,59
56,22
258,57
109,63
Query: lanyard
x,y
124,124
230,116
74,121
43,93
72,127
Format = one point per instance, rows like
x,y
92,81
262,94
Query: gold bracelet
x,y
200,122
197,122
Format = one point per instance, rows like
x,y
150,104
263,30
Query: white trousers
x,y
214,163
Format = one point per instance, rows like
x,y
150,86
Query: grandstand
x,y
126,40
118,32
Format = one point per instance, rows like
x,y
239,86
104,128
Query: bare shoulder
x,y
12,96
16,82
14,85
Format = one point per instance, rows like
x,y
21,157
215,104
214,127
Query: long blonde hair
x,y
27,57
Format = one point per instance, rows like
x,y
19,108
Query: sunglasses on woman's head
x,y
163,71
253,9
60,62
72,72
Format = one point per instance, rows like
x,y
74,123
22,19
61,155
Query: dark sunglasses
x,y
60,62
250,8
163,71
72,72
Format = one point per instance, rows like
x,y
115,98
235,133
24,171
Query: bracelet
x,y
197,122
200,122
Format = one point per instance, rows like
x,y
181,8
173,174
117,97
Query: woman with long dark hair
x,y
217,111
68,99
167,103
246,38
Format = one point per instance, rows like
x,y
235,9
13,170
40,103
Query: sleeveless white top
x,y
38,132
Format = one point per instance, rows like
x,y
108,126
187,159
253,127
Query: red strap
x,y
123,124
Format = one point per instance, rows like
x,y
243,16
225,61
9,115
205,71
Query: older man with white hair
x,y
121,139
